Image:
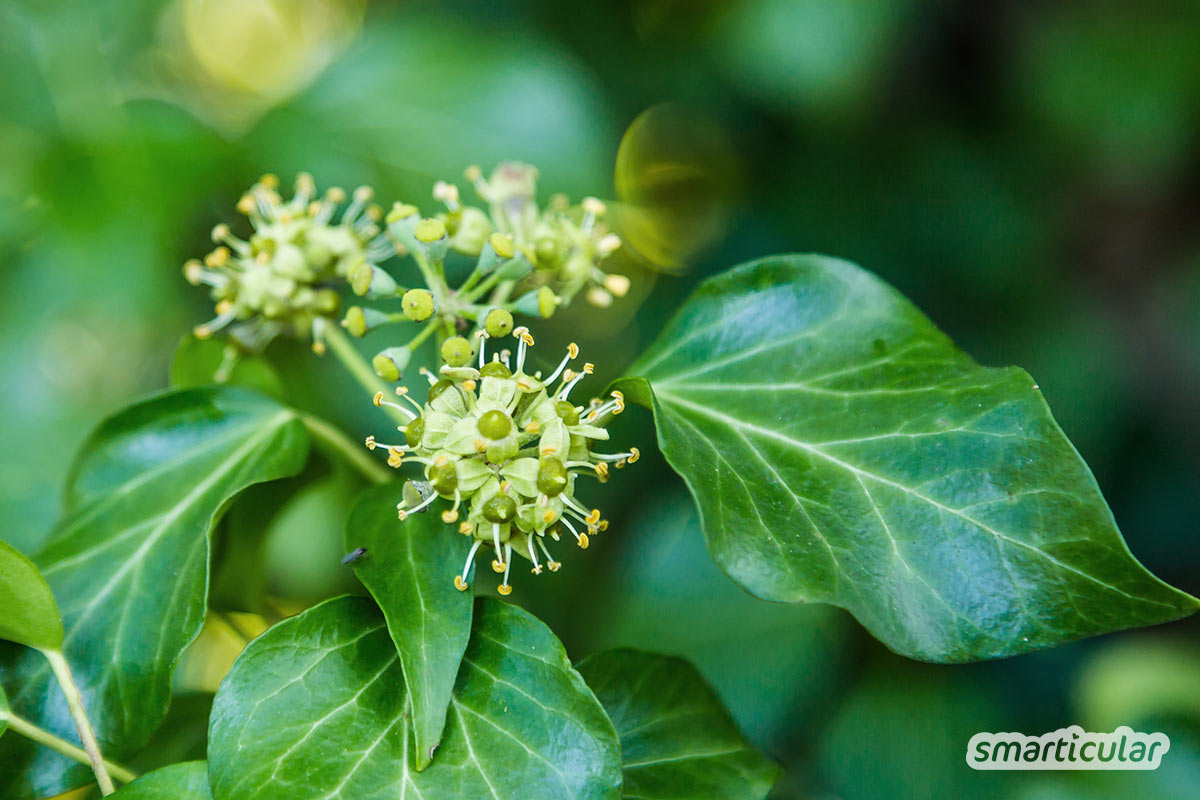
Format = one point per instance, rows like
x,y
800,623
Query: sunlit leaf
x,y
28,614
129,564
316,707
409,569
188,781
677,740
841,449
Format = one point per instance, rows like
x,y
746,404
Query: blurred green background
x,y
1028,173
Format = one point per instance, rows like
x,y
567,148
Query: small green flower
x,y
505,448
281,280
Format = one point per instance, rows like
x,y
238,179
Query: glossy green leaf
x,y
28,613
129,564
197,362
188,781
316,707
3,711
841,449
409,569
677,741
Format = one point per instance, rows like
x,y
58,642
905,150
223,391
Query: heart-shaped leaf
x,y
187,781
28,613
129,565
841,449
316,707
677,740
409,569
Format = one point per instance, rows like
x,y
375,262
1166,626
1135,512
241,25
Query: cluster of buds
x,y
503,448
284,278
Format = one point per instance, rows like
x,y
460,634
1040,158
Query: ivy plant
x,y
839,448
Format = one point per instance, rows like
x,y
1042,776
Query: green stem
x,y
341,444
357,366
31,731
423,335
62,672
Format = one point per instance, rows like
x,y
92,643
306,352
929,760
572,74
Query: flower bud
x,y
457,352
514,269
417,304
430,235
499,323
359,320
471,231
389,364
371,281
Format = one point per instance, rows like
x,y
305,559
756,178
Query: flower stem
x,y
43,737
62,672
357,366
423,335
337,441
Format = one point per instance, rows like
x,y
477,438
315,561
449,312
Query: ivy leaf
x,y
129,565
316,707
677,739
187,781
841,449
28,613
409,569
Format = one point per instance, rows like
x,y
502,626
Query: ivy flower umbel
x,y
504,448
281,280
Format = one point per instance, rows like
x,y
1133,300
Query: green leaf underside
x,y
187,781
129,564
677,740
316,708
841,449
409,569
28,614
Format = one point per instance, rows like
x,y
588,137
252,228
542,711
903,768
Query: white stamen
x,y
470,559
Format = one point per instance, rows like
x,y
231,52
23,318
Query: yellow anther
x,y
370,442
554,565
480,445
270,180
202,332
225,306
603,526
549,451
363,193
217,258
583,541
395,457
245,204
534,426
469,385
537,569
504,486
378,398
634,455
459,583
318,348
449,516
473,173
601,468
573,350
593,518
589,368
335,194
401,513
219,232
504,589
441,460
593,205
497,567
568,374
549,517
465,528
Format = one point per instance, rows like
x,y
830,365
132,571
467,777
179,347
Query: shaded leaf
x,y
129,565
196,362
677,740
187,781
28,614
409,569
841,449
316,707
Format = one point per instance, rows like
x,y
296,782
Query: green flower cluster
x,y
504,448
283,279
